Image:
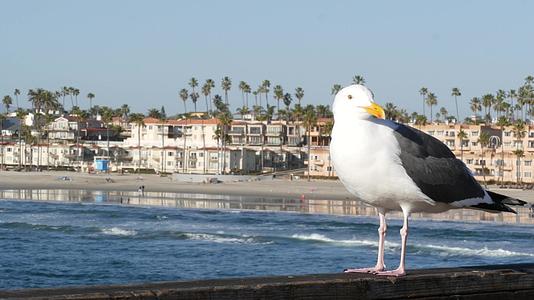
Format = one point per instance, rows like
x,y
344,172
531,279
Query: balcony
x,y
318,162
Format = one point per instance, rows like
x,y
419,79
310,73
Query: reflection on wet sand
x,y
525,215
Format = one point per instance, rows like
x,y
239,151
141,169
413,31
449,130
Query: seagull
x,y
394,167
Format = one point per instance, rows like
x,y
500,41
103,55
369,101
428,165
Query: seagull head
x,y
356,101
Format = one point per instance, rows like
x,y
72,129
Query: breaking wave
x,y
447,250
441,250
119,231
223,239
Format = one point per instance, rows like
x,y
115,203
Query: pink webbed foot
x,y
396,273
364,270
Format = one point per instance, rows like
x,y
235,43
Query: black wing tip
x,y
499,198
514,201
493,207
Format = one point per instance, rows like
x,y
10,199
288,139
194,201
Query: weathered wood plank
x,y
486,283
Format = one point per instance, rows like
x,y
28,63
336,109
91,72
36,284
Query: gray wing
x,y
434,168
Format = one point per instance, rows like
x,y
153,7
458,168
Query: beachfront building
x,y
319,160
495,161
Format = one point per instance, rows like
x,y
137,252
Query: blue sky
x,y
143,52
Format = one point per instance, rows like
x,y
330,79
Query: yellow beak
x,y
375,110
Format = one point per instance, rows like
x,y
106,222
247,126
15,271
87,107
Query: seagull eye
x,y
350,97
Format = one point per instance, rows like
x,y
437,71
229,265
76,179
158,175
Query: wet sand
x,y
315,189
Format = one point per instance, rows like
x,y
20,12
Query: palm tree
x,y
483,140
21,115
206,91
210,84
70,92
247,91
107,117
475,105
184,152
309,120
48,120
7,101
225,119
423,92
265,85
335,89
287,102
431,101
462,135
500,99
50,103
184,94
327,131
519,135
139,121
358,79
255,93
226,85
162,166
391,111
259,91
193,83
242,87
90,96
64,92
17,93
243,111
487,101
502,123
154,113
2,119
278,95
456,93
37,98
194,97
299,94
124,111
443,111
76,92
512,94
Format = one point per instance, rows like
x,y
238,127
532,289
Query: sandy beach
x,y
316,189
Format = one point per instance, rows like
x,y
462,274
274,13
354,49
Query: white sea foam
x,y
437,249
322,238
119,231
222,239
447,250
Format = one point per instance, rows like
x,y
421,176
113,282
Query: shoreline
x,y
277,188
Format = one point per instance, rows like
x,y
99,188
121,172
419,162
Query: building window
x,y
528,163
169,153
528,174
440,132
474,143
432,132
470,161
507,133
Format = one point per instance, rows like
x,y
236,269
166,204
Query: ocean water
x,y
45,244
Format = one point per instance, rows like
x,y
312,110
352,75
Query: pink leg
x,y
381,238
400,271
